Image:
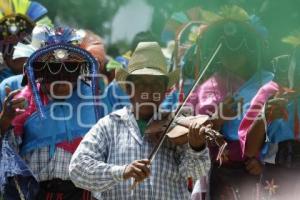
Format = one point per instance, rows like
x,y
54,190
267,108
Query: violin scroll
x,y
178,135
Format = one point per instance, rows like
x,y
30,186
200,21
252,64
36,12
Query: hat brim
x,y
122,75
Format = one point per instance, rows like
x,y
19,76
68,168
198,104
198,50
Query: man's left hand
x,y
196,136
254,166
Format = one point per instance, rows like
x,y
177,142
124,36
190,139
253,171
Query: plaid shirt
x,y
41,164
115,141
45,167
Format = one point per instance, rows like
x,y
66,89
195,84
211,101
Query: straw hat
x,y
147,59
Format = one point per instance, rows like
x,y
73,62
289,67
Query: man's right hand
x,y
254,166
138,170
276,107
11,108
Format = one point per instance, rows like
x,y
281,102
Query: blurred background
x,y
117,21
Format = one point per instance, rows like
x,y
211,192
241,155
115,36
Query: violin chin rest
x,y
187,121
178,135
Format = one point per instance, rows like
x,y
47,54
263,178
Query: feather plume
x,y
21,6
6,7
36,11
209,17
234,13
62,35
292,39
33,10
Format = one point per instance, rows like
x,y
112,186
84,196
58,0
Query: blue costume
x,y
66,121
247,91
13,15
59,122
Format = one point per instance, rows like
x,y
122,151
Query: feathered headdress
x,y
18,18
43,36
237,14
58,58
236,30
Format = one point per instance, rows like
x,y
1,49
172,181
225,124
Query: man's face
x,y
147,93
7,49
234,61
15,65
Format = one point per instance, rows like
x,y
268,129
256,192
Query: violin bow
x,y
181,106
178,110
177,48
178,43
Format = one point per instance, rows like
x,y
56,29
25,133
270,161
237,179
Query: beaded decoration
x,y
90,66
58,58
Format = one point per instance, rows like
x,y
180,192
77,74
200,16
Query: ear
x,y
128,89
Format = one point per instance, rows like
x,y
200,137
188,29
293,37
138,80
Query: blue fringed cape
x,y
12,168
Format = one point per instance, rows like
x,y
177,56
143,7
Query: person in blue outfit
x,y
277,132
62,104
234,77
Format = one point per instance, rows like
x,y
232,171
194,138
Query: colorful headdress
x,y
234,13
18,18
237,31
59,59
233,23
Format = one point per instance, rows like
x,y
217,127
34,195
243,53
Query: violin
x,y
179,132
212,137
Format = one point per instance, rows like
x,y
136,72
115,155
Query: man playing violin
x,y
112,155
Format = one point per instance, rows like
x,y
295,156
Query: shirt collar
x,y
126,116
123,113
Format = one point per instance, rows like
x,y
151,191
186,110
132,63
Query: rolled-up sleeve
x,y
88,169
193,163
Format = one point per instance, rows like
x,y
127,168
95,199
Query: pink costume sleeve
x,y
211,93
255,108
19,120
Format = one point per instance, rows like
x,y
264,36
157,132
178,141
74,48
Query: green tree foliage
x,y
95,15
280,16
